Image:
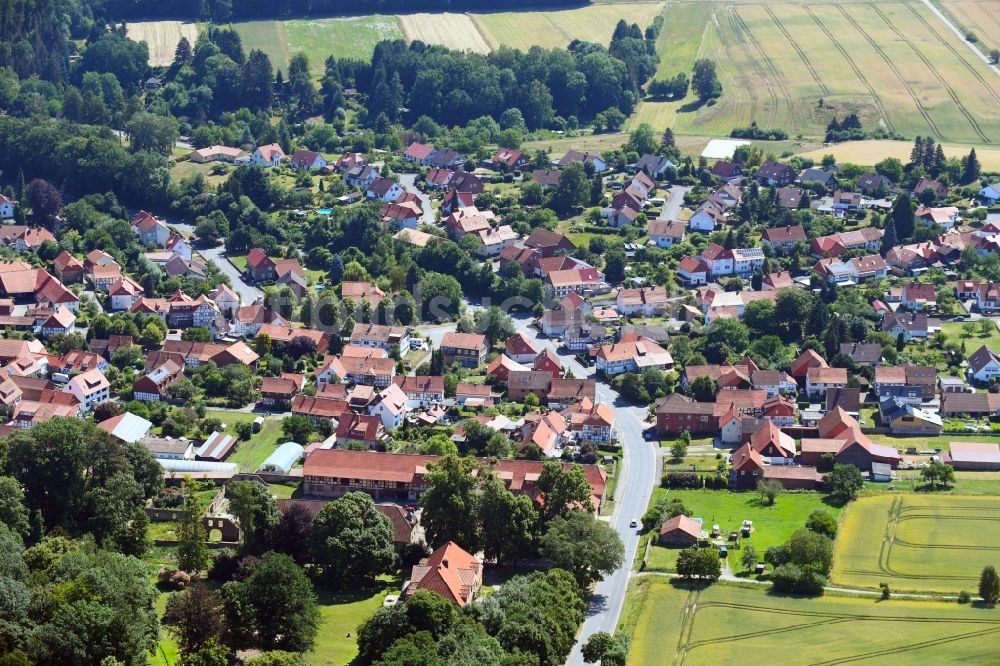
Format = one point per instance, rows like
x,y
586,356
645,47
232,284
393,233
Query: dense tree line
x,y
225,10
455,87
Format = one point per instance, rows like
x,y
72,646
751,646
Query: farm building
x,y
680,531
973,456
217,447
283,458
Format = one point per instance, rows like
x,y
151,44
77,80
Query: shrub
x,y
821,522
699,563
224,566
681,480
964,597
795,579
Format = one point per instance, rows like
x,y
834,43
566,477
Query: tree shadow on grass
x,y
692,106
690,584
333,597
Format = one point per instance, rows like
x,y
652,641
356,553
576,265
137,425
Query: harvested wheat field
x,y
162,37
456,31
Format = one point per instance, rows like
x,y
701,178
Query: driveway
x,y
637,477
217,255
408,181
674,203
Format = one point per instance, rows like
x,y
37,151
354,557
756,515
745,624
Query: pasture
x,y
795,66
557,28
725,624
162,38
456,31
919,543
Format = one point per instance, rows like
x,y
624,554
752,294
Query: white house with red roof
x,y
520,349
270,155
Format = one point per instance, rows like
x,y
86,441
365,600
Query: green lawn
x,y
925,443
917,542
729,624
773,525
954,331
251,453
239,261
340,615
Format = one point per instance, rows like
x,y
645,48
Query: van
x,y
60,377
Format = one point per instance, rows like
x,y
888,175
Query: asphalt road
x,y
636,480
217,255
674,203
408,180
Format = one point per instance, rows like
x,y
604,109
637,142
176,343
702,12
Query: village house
x,y
834,245
7,207
466,349
910,325
450,572
220,154
279,391
68,268
680,532
904,418
307,159
418,152
945,217
862,353
520,349
873,183
421,390
918,296
390,407
319,408
643,302
665,233
939,190
152,386
546,178
384,189
558,283
506,159
595,159
984,365
677,413
654,165
360,428
380,336
775,174
90,388
784,238
633,353
819,379
270,155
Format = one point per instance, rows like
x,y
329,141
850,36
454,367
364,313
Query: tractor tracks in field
x,y
854,67
743,39
944,84
899,75
972,70
768,66
798,49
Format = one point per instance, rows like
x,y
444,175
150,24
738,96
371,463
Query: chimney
x,y
444,563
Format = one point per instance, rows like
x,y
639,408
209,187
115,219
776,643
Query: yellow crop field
x,y
921,543
162,37
794,66
456,31
976,16
869,153
557,28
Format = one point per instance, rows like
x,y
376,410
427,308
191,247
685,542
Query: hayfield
x,y
455,31
921,543
162,37
266,36
557,28
892,63
725,624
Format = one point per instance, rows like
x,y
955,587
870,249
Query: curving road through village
x,y
636,480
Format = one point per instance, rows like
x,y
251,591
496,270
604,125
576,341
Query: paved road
x,y
961,36
217,255
636,480
674,203
408,181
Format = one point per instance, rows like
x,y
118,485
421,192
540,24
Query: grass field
x,y
187,169
871,152
773,525
353,37
455,31
251,453
921,543
889,62
162,37
953,329
557,28
726,624
340,616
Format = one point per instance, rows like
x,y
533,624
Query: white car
x,y
634,523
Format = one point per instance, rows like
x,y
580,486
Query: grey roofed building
x,y
816,176
862,353
127,427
